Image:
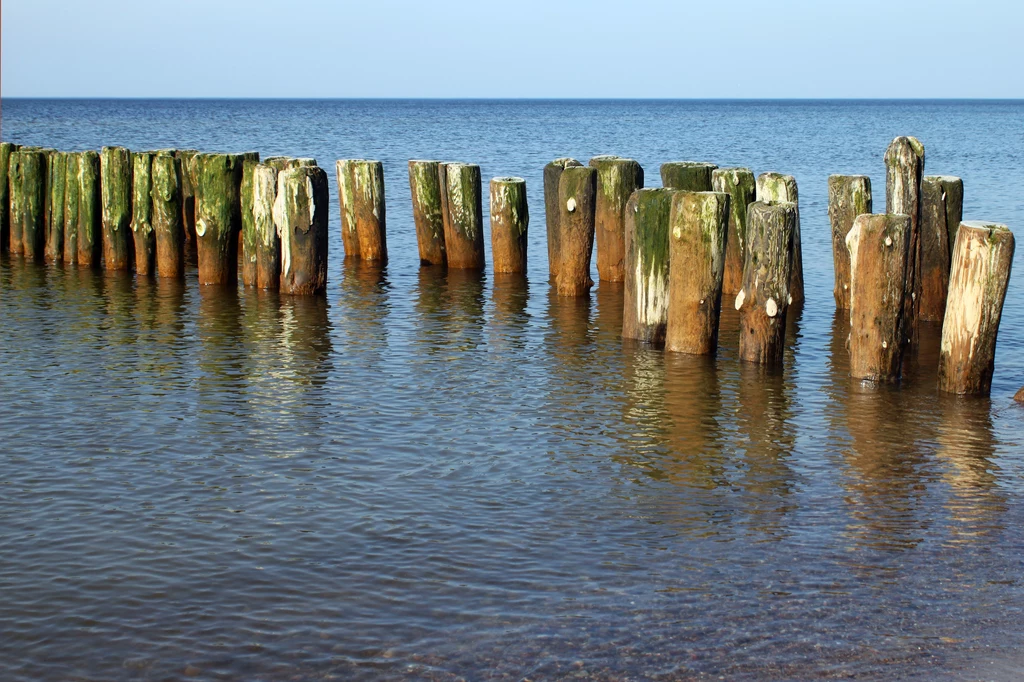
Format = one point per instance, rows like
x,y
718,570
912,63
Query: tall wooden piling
x,y
188,203
741,187
953,196
764,297
250,238
645,303
848,197
116,188
167,215
6,148
72,190
577,203
879,248
691,176
218,216
143,235
553,211
982,258
300,214
617,179
773,188
463,216
268,243
90,211
698,228
935,255
363,219
28,195
56,187
904,169
425,186
510,220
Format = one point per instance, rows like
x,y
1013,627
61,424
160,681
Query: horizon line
x,y
517,99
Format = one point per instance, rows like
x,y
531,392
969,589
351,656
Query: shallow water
x,y
434,475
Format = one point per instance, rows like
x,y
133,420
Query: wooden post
x,y
698,227
1019,396
510,219
188,203
218,216
463,216
56,184
27,177
300,214
848,197
879,247
425,186
773,188
741,187
72,190
250,238
6,148
268,243
935,255
363,220
617,179
116,187
143,235
284,162
764,297
904,168
953,190
553,210
982,258
90,212
692,176
167,216
645,304
577,202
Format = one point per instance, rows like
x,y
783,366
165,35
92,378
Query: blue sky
x,y
527,48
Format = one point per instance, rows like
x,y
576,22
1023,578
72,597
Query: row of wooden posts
x,y
708,231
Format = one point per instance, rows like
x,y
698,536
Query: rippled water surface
x,y
440,476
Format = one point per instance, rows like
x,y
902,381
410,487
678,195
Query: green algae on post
x,y
72,190
6,148
363,217
741,187
645,306
617,179
90,213
57,187
116,188
142,213
577,202
188,202
167,216
218,216
692,176
552,210
510,221
300,214
773,188
268,243
428,211
848,197
27,177
463,216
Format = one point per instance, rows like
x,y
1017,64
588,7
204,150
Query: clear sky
x,y
526,48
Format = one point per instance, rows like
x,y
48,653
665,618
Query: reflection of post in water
x,y
569,317
160,310
609,310
794,320
510,292
304,346
431,327
465,300
365,300
119,304
221,358
693,411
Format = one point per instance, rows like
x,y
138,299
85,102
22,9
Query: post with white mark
x,y
168,230
741,187
942,198
982,258
427,213
553,211
142,213
773,188
300,214
848,197
462,210
218,216
692,176
267,241
617,179
698,226
363,219
764,297
879,262
645,304
904,169
510,221
577,199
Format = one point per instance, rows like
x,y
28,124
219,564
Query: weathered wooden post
x,y
116,188
879,247
284,162
982,258
848,197
143,235
57,186
698,227
692,176
904,169
645,303
167,215
553,211
1019,396
300,214
577,203
249,236
268,243
27,177
741,187
90,212
617,179
463,215
425,186
363,220
6,148
953,197
510,220
218,216
935,254
188,203
764,298
773,188
72,191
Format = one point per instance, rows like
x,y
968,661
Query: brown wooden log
x,y
300,215
848,197
428,211
188,203
90,210
246,264
982,259
741,187
510,220
27,178
6,148
361,192
935,255
463,216
617,179
218,216
116,188
645,300
691,176
143,235
347,204
904,169
577,200
879,247
698,228
764,298
72,190
1019,396
773,188
268,242
167,215
553,211
953,187
57,164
